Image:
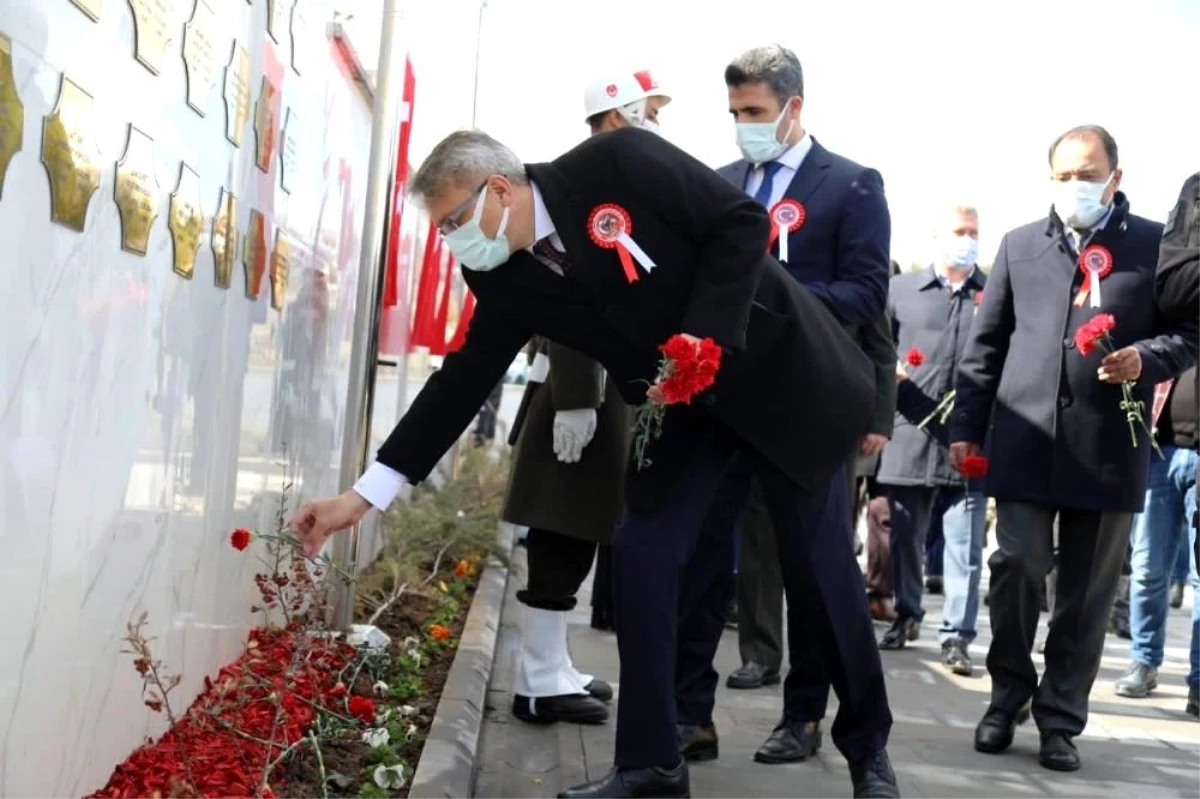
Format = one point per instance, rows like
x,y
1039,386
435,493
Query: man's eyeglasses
x,y
452,221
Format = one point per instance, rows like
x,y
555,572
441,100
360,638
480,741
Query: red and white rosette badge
x,y
786,216
1095,262
610,226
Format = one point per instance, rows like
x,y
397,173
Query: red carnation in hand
x,y
915,357
241,538
1089,335
362,709
973,466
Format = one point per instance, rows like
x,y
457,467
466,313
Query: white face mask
x,y
960,252
651,126
473,248
760,141
1079,203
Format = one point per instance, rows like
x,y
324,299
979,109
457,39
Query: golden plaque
x,y
281,267
186,221
12,111
298,30
225,239
136,192
288,151
151,32
89,7
237,94
198,58
254,253
266,123
71,155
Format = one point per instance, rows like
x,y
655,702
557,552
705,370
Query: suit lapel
x,y
569,219
810,175
736,173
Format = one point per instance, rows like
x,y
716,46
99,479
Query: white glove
x,y
573,430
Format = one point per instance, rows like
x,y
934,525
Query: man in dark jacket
x,y
932,311
1057,438
647,243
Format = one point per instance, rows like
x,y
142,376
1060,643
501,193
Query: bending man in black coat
x,y
793,394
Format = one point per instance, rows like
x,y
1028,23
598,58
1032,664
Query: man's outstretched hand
x,y
315,521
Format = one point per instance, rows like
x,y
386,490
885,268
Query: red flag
x,y
464,321
438,333
393,279
425,305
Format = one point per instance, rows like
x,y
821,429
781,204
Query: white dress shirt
x,y
1079,239
789,163
380,484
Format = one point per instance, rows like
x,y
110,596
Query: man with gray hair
x,y
612,249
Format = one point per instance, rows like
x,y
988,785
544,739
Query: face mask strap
x,y
503,224
478,213
791,123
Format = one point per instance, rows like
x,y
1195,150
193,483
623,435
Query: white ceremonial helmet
x,y
627,93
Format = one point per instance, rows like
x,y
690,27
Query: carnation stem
x,y
312,738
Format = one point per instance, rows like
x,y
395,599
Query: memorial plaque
x,y
266,124
12,111
89,7
254,253
151,31
237,94
225,239
71,155
278,12
289,151
281,268
136,192
186,221
298,31
199,60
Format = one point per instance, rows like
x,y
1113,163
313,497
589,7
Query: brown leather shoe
x,y
697,744
881,609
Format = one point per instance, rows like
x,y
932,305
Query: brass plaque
x,y
71,155
136,192
278,12
298,31
186,221
225,239
151,32
199,60
12,111
237,94
254,253
281,267
289,151
89,7
266,124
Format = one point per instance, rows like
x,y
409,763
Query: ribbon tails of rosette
x,y
1095,262
787,215
610,226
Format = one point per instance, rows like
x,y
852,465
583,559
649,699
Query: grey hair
x,y
465,158
774,65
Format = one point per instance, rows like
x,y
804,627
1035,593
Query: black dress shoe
x,y
874,778
995,730
791,742
697,744
1058,752
572,708
752,675
671,782
599,689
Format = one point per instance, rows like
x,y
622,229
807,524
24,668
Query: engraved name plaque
x,y
266,124
199,60
237,94
225,239
89,7
289,151
281,268
254,253
298,32
12,111
71,155
186,221
136,192
151,31
278,12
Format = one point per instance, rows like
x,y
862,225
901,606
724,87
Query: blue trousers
x,y
674,574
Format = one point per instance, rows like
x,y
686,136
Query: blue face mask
x,y
760,142
473,248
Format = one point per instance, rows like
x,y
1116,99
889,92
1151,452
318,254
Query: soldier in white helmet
x,y
570,500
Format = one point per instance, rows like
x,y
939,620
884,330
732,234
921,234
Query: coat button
x,y
1064,402
1069,343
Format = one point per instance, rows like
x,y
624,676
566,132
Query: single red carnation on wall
x,y
974,466
915,357
362,709
241,538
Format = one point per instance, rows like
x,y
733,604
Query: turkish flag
x,y
425,306
395,276
442,319
464,322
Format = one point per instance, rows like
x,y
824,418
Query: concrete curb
x,y
446,769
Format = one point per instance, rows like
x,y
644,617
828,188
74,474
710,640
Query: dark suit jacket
x,y
792,384
1054,433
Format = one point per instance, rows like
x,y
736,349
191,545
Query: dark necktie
x,y
544,249
763,195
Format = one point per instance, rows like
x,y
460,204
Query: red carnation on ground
x,y
688,367
362,709
915,357
973,467
240,538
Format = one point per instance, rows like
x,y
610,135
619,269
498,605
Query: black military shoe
x,y
599,689
670,782
874,778
572,708
697,744
752,675
790,742
901,632
995,730
1058,752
